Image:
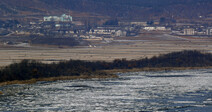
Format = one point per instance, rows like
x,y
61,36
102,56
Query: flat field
x,y
144,45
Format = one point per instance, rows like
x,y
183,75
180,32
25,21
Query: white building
x,y
65,18
120,33
161,28
189,31
62,18
209,31
51,18
158,28
102,31
149,28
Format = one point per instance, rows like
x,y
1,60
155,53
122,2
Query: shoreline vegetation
x,y
32,71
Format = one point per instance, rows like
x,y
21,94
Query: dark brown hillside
x,y
141,9
20,6
127,9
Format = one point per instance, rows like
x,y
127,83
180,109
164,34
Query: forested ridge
x,y
28,69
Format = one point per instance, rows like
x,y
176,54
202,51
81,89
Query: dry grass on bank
x,y
153,69
32,81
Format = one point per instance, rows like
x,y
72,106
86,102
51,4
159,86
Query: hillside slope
x,y
130,9
20,6
139,8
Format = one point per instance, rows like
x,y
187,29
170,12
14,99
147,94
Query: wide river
x,y
189,90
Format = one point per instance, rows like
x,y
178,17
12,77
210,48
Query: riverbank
x,y
34,80
147,69
110,74
31,71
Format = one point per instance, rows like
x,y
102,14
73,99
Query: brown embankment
x,y
31,81
154,69
111,74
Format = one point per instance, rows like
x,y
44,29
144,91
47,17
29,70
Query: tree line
x,y
28,69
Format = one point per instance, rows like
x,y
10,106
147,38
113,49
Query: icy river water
x,y
167,91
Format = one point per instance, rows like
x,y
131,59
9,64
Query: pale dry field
x,y
140,47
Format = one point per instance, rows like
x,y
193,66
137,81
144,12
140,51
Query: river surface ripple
x,y
167,91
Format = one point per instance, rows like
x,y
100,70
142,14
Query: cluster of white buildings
x,y
102,31
114,31
209,31
155,28
125,28
189,31
62,18
192,31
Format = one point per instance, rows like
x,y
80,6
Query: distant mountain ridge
x,y
131,9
